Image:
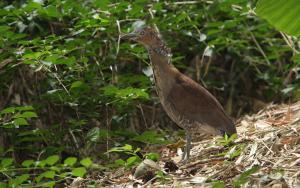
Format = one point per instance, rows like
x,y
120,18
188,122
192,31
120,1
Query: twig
x,y
119,38
148,182
143,115
203,162
60,82
74,139
258,46
289,42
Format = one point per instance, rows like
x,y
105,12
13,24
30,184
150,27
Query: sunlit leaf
x,y
284,15
27,163
79,172
86,162
51,160
20,121
6,162
70,161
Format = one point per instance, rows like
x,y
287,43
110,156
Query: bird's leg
x,y
186,154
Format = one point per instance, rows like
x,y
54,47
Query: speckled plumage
x,y
187,103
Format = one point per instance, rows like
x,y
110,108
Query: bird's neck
x,y
163,70
161,60
160,56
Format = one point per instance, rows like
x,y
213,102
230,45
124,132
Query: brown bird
x,y
187,103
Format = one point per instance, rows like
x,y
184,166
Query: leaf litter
x,y
265,154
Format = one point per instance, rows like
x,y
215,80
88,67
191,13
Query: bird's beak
x,y
129,36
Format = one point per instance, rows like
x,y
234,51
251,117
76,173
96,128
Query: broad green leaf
x,y
282,14
76,84
8,110
32,6
48,184
24,108
120,162
51,160
20,121
152,156
70,161
6,162
132,160
79,172
26,115
49,174
66,61
52,11
27,163
64,174
18,180
52,58
86,162
40,163
94,134
33,55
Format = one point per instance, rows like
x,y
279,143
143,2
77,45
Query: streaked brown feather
x,y
195,103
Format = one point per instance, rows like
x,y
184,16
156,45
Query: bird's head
x,y
145,35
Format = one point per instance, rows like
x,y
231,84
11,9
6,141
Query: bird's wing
x,y
195,103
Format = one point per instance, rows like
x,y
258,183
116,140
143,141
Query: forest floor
x,y
265,154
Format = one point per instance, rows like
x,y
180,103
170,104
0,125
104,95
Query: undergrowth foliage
x,y
70,89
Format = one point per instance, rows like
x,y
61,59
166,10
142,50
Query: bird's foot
x,y
185,158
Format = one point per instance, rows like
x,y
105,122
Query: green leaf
x,y
102,4
244,176
79,172
64,174
66,61
51,160
296,58
76,84
218,185
95,134
52,11
3,185
125,148
48,184
86,162
26,115
24,108
49,174
120,162
19,180
6,162
132,160
40,163
20,121
8,110
282,14
27,163
33,55
152,156
70,161
151,137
